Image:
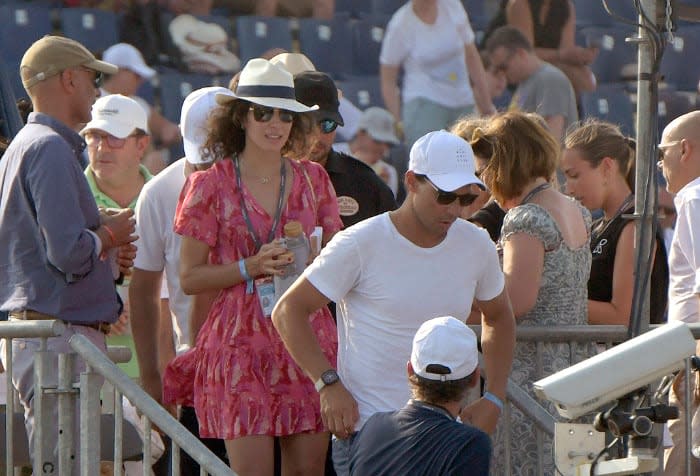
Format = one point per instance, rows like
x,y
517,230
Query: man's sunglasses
x,y
92,139
98,78
264,114
327,125
447,198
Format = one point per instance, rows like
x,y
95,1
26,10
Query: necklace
x,y
535,191
603,225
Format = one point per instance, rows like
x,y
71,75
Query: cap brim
x,y
109,128
102,66
451,182
387,138
193,153
143,71
333,115
279,103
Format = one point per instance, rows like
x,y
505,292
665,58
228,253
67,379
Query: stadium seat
x,y
328,44
95,28
680,66
386,7
673,104
356,8
476,11
12,72
362,91
592,12
611,103
22,25
174,88
615,55
257,34
367,36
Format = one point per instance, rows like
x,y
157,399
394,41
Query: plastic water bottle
x,y
297,243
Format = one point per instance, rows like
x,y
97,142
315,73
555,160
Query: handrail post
x,y
40,420
66,413
118,432
9,410
90,384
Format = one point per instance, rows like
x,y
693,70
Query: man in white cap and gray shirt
x,y
391,273
133,72
425,437
160,309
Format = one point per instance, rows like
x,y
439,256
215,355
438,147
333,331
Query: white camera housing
x,y
590,384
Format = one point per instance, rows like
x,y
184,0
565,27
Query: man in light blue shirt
x,y
56,258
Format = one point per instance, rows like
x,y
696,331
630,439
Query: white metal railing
x,y
99,368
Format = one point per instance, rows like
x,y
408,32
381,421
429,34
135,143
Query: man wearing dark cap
x,y
361,193
56,257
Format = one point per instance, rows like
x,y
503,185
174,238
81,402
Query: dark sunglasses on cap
x,y
327,125
447,198
264,113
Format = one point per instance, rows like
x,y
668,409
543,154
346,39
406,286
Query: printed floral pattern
x,y
239,376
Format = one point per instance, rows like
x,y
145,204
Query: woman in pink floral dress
x,y
247,389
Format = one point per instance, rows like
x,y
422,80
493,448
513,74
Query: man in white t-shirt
x,y
388,275
158,340
680,162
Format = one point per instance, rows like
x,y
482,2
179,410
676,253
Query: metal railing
x,y
99,368
543,421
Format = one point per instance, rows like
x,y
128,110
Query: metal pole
x,y
9,411
40,422
66,413
645,183
118,432
90,384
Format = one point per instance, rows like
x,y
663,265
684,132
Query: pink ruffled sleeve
x,y
196,210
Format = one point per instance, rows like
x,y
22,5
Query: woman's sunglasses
x,y
264,114
447,198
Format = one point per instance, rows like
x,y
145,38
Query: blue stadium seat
x,y
615,55
328,44
21,26
386,7
256,35
95,28
476,11
356,8
12,71
680,66
367,36
174,88
362,91
592,12
611,103
673,104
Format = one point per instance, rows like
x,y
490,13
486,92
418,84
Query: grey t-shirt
x,y
548,92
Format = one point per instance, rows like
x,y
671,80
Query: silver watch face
x,y
329,377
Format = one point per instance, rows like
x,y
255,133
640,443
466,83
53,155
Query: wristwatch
x,y
329,377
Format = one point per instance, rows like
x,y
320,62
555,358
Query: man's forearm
x,y
497,344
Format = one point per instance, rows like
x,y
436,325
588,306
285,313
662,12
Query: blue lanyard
x,y
244,210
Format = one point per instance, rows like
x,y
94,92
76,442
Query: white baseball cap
x,y
128,57
379,124
444,349
117,115
446,159
196,108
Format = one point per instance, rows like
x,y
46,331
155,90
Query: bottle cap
x,y
293,229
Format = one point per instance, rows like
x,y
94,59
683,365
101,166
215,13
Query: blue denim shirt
x,y
48,259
